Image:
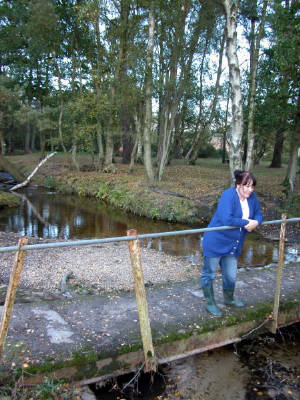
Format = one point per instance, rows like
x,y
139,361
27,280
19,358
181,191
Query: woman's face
x,y
245,191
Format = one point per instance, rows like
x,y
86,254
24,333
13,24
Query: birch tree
x,y
148,96
236,129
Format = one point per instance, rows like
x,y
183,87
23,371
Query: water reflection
x,y
52,215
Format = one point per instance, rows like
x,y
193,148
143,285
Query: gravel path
x,y
96,268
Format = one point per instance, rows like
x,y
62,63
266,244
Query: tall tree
x,y
290,178
255,39
286,68
170,98
148,96
236,131
205,120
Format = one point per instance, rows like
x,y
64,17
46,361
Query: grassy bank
x,y
187,194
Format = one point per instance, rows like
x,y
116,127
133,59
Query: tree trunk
x,y
27,180
109,148
236,131
32,141
2,143
27,135
136,154
74,155
74,69
192,155
61,139
126,135
224,136
290,178
254,48
148,97
120,69
11,143
292,166
42,144
172,95
197,131
100,144
122,78
278,148
177,149
99,62
61,105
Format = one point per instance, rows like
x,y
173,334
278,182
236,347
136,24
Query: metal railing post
x,y
141,300
11,292
274,322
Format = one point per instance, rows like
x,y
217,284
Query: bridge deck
x,y
92,336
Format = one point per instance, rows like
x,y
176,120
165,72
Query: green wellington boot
x,y
230,300
211,306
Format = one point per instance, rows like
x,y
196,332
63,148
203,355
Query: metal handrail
x,y
128,238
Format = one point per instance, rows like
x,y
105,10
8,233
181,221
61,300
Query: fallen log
x,y
27,180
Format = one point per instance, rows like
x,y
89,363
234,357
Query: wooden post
x,y
141,300
274,322
11,292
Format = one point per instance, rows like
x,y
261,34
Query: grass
x,y
47,390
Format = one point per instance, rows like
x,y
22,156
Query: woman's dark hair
x,y
243,177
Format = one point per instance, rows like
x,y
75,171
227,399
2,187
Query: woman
x,y
238,207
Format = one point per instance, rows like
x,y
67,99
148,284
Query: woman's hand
x,y
252,225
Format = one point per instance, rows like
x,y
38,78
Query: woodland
x,y
150,81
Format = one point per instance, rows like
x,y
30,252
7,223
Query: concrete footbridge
x,y
89,338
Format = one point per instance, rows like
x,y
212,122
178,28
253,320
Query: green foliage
x,y
60,72
81,191
103,191
50,182
154,213
47,390
83,357
118,198
207,151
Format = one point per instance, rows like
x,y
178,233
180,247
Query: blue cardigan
x,y
229,213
